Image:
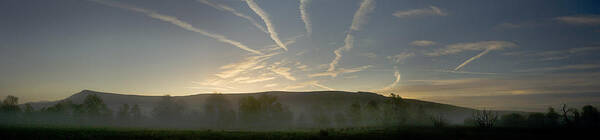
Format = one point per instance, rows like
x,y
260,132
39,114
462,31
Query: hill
x,y
297,102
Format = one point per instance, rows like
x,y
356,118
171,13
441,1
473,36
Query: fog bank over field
x,y
264,110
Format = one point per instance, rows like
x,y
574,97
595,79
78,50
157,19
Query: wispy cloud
x,y
234,69
400,58
306,84
256,80
307,24
432,10
223,7
177,22
270,85
422,43
288,42
369,55
265,17
357,21
397,76
283,71
474,46
563,68
580,20
465,72
553,55
339,71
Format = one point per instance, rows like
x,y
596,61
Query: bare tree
x,y
485,118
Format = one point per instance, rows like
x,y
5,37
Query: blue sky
x,y
426,49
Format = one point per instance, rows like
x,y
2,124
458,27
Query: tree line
x,y
588,117
264,111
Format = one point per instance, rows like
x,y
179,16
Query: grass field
x,y
61,132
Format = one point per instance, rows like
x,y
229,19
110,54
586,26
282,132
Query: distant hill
x,y
296,101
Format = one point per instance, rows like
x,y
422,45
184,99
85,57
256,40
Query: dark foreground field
x,y
48,132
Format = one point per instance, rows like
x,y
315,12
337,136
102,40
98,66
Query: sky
x,y
509,54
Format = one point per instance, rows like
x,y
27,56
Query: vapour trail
x,y
472,58
265,17
304,15
177,22
358,20
223,7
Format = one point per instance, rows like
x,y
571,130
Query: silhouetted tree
x,y
29,108
536,120
218,111
590,116
395,111
513,120
570,117
10,104
249,109
167,109
552,118
485,118
95,108
264,109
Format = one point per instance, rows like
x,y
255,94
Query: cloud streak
x,y
432,10
400,58
265,17
422,43
235,69
283,71
177,22
223,7
397,75
562,68
472,58
580,20
357,21
339,71
308,83
307,24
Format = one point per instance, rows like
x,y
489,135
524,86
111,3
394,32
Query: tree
x,y
570,116
536,120
485,118
512,120
265,108
167,109
395,110
590,116
10,105
218,111
29,108
249,109
552,118
95,108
